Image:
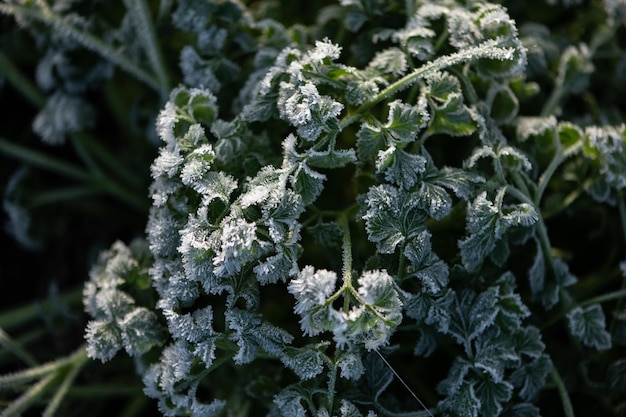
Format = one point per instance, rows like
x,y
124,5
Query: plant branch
x,y
560,386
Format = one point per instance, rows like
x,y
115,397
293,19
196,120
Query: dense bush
x,y
353,208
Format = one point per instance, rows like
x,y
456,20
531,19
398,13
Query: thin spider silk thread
x,y
405,384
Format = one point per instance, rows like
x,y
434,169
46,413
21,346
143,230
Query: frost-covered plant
x,y
333,217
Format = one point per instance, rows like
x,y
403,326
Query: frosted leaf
x,y
104,340
608,146
347,409
426,265
400,167
575,68
238,246
252,333
377,289
487,223
311,289
372,323
330,158
534,126
417,35
62,115
492,395
304,108
211,40
278,267
463,402
472,314
167,164
450,115
215,185
289,403
589,325
392,217
176,361
390,61
350,365
306,362
433,310
324,50
530,378
404,122
281,218
140,331
197,164
197,71
19,220
268,184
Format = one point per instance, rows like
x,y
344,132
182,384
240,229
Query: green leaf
x,y
616,376
401,168
308,183
449,114
390,61
462,403
492,395
426,265
289,402
528,342
392,217
330,158
503,103
380,311
306,362
536,127
404,121
530,378
471,314
487,223
589,325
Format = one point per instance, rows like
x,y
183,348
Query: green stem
x,y
488,49
615,295
16,317
542,230
66,169
147,34
346,250
27,399
560,386
43,161
84,38
76,362
621,205
20,82
15,348
49,368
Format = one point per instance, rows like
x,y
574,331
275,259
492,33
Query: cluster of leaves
x,y
388,191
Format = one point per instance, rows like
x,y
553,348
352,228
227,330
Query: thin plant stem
x,y
140,13
20,82
18,316
44,161
488,49
77,360
29,397
560,386
16,349
71,171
